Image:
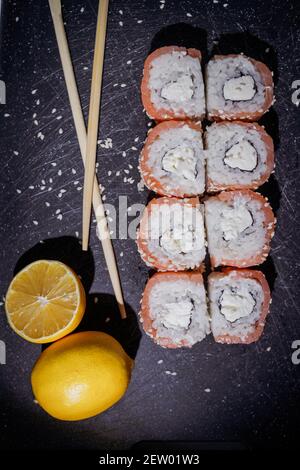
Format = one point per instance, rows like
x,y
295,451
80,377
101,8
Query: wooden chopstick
x,y
55,7
93,123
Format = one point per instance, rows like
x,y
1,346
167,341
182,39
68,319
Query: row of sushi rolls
x,y
206,206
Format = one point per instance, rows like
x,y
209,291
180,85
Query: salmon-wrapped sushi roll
x,y
239,226
173,309
238,155
172,160
237,87
239,302
172,84
171,234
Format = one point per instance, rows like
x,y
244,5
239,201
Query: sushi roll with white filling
x,y
239,302
171,234
238,155
237,87
174,310
172,160
172,84
239,226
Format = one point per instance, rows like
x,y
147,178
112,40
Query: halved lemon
x,y
45,301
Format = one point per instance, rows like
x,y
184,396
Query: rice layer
x,y
236,155
176,84
178,311
242,290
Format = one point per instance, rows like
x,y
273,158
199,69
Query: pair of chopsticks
x,y
88,140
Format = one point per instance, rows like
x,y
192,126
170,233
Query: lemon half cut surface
x,y
45,301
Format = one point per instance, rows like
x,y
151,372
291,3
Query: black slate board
x,y
248,394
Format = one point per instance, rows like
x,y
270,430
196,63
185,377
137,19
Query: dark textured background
x,y
219,392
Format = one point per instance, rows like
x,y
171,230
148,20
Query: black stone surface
x,y
239,393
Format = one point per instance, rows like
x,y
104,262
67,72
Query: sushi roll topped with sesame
x,y
237,87
171,235
173,309
172,160
172,84
239,301
239,225
238,155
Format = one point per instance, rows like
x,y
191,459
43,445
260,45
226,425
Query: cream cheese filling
x,y
182,239
180,161
177,315
234,220
235,304
239,89
180,90
242,156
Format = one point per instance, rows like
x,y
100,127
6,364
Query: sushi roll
x,y
172,84
238,155
172,160
239,226
171,234
237,87
173,309
239,302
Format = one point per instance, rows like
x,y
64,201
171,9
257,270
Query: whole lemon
x,y
81,375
